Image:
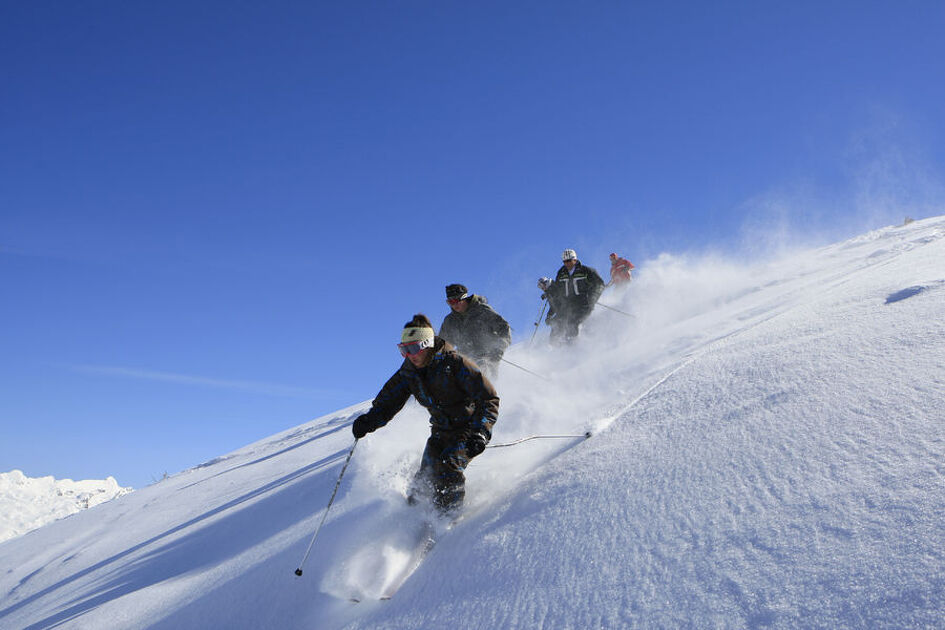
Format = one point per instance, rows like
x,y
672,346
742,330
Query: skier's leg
x,y
570,332
575,321
421,489
449,480
558,328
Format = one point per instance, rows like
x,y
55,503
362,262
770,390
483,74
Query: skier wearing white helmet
x,y
571,297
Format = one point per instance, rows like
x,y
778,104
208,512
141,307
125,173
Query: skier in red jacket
x,y
619,271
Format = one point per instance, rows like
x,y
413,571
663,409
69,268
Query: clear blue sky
x,y
215,217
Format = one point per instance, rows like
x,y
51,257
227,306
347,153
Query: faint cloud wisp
x,y
256,387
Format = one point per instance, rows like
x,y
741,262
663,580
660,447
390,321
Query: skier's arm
x,y
483,394
391,399
595,286
502,334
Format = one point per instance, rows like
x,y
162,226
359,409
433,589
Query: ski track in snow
x,y
767,452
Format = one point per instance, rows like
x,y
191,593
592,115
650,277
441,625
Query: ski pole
x,y
544,305
585,435
617,310
544,378
325,515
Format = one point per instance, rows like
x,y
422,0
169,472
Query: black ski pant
x,y
441,479
566,324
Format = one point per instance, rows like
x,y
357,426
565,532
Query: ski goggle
x,y
453,301
410,348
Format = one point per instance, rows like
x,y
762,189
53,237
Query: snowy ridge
x,y
28,503
768,451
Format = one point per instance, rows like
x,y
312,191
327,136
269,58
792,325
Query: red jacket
x,y
620,270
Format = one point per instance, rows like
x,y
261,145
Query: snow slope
x,y
769,451
27,503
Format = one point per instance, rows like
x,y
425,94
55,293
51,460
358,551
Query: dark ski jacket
x,y
459,398
479,333
555,301
576,293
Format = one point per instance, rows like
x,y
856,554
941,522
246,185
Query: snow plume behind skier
x,y
463,407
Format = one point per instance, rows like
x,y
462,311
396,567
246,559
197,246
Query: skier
x,y
475,329
572,296
463,407
549,292
620,268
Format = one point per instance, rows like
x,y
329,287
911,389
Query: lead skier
x,y
463,407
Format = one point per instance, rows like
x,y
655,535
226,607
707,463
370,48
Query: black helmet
x,y
456,292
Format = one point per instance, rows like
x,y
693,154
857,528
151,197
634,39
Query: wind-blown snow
x,y
27,503
768,450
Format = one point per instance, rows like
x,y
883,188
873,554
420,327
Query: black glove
x,y
475,445
361,426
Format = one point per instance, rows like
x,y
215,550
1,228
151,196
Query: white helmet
x,y
568,254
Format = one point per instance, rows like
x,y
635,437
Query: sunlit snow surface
x,y
769,451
